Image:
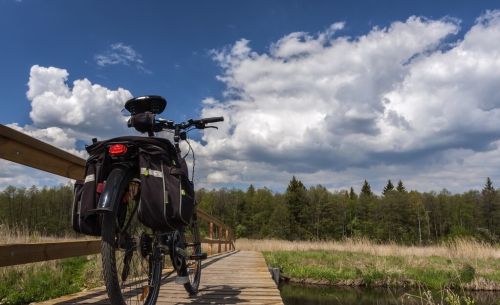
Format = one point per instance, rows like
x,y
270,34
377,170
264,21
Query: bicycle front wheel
x,y
132,265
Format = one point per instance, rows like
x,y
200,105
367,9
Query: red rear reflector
x,y
117,149
100,187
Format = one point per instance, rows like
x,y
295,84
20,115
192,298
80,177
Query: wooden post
x,y
219,237
226,240
211,237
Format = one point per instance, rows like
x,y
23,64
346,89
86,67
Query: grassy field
x,y
471,264
462,263
42,281
27,283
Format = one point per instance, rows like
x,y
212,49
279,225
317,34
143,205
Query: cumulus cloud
x,y
62,116
83,111
399,100
120,54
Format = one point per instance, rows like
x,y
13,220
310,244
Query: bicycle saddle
x,y
148,103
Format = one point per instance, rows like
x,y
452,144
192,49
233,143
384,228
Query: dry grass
x,y
460,248
20,235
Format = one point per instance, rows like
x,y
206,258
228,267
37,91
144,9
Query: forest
x,y
300,213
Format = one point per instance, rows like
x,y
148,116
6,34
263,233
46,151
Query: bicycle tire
x,y
193,266
128,281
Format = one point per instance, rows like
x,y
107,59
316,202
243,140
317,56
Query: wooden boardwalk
x,y
229,278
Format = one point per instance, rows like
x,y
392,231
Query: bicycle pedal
x,y
181,280
198,256
164,248
181,252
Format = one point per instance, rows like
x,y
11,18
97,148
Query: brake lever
x,y
212,127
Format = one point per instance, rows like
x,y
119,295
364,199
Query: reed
x,y
458,248
21,235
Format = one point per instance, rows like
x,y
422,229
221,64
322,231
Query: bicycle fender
x,y
118,176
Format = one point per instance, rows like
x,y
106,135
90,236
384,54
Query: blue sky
x,y
188,52
174,39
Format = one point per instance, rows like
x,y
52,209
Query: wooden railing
x,y
23,149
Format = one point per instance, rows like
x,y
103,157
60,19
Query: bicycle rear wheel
x,y
132,265
192,266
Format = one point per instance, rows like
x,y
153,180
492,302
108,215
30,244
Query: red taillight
x,y
117,150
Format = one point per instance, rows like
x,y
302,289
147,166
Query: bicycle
x,y
133,253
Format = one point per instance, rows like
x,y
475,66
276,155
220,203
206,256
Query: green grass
x,y
25,284
362,269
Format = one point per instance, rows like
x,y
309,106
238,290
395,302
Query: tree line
x,y
43,210
398,215
313,213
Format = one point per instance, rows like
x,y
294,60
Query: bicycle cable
x,y
194,158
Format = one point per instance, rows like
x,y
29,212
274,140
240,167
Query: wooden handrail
x,y
20,148
209,218
15,254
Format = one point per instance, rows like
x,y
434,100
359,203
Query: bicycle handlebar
x,y
212,120
146,122
199,124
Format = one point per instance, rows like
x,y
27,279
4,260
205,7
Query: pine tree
x,y
251,191
363,207
488,187
352,194
366,189
296,199
401,188
488,205
389,187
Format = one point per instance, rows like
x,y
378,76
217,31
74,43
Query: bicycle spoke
x,y
192,267
131,276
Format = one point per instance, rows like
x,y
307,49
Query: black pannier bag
x,y
85,220
167,195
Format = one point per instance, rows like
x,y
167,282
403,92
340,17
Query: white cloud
x,y
62,115
83,111
303,44
398,101
325,100
121,54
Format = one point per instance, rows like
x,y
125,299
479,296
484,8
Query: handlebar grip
x,y
212,120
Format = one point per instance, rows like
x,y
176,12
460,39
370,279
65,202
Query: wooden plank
x,y
20,148
15,254
224,281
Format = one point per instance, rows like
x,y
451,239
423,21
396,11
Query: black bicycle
x,y
134,246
